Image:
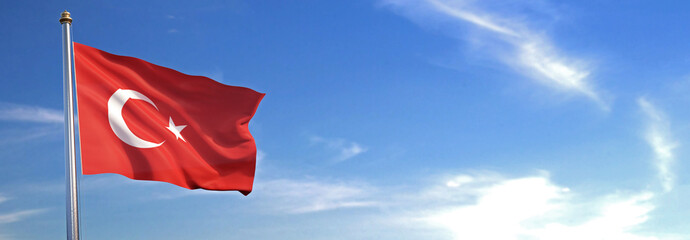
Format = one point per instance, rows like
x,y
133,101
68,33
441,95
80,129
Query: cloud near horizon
x,y
473,206
531,207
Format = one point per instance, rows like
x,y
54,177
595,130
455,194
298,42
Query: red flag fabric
x,y
148,122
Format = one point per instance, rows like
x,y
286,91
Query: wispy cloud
x,y
658,136
344,149
25,113
529,51
260,156
478,206
24,135
313,195
18,215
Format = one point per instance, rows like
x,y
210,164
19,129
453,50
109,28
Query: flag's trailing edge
x,y
148,122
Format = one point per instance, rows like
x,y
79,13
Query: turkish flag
x,y
148,122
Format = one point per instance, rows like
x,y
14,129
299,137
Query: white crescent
x,y
117,123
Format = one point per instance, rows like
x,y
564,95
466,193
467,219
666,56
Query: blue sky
x,y
389,119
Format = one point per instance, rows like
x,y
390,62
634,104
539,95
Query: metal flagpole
x,y
70,151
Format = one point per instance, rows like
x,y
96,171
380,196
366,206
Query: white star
x,y
176,129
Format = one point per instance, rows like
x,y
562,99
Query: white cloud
x,y
24,113
304,196
486,22
482,206
519,47
18,215
492,207
23,135
260,156
350,150
344,149
658,136
478,206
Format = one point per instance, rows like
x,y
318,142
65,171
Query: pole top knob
x,y
65,17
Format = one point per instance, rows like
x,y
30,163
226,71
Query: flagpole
x,y
70,151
